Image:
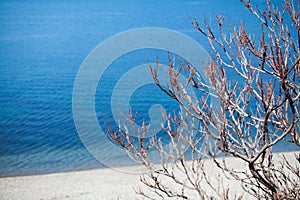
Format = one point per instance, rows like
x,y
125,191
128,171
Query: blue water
x,y
42,45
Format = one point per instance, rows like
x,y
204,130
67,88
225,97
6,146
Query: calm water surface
x,y
42,45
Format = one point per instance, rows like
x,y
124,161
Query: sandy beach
x,y
91,184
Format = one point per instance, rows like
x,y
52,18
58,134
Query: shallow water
x,y
42,45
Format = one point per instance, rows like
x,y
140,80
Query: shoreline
x,y
115,167
103,183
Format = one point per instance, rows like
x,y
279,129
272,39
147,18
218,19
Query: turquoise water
x,y
42,45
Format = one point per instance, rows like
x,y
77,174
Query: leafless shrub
x,y
255,113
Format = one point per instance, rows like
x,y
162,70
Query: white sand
x,y
91,184
83,185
